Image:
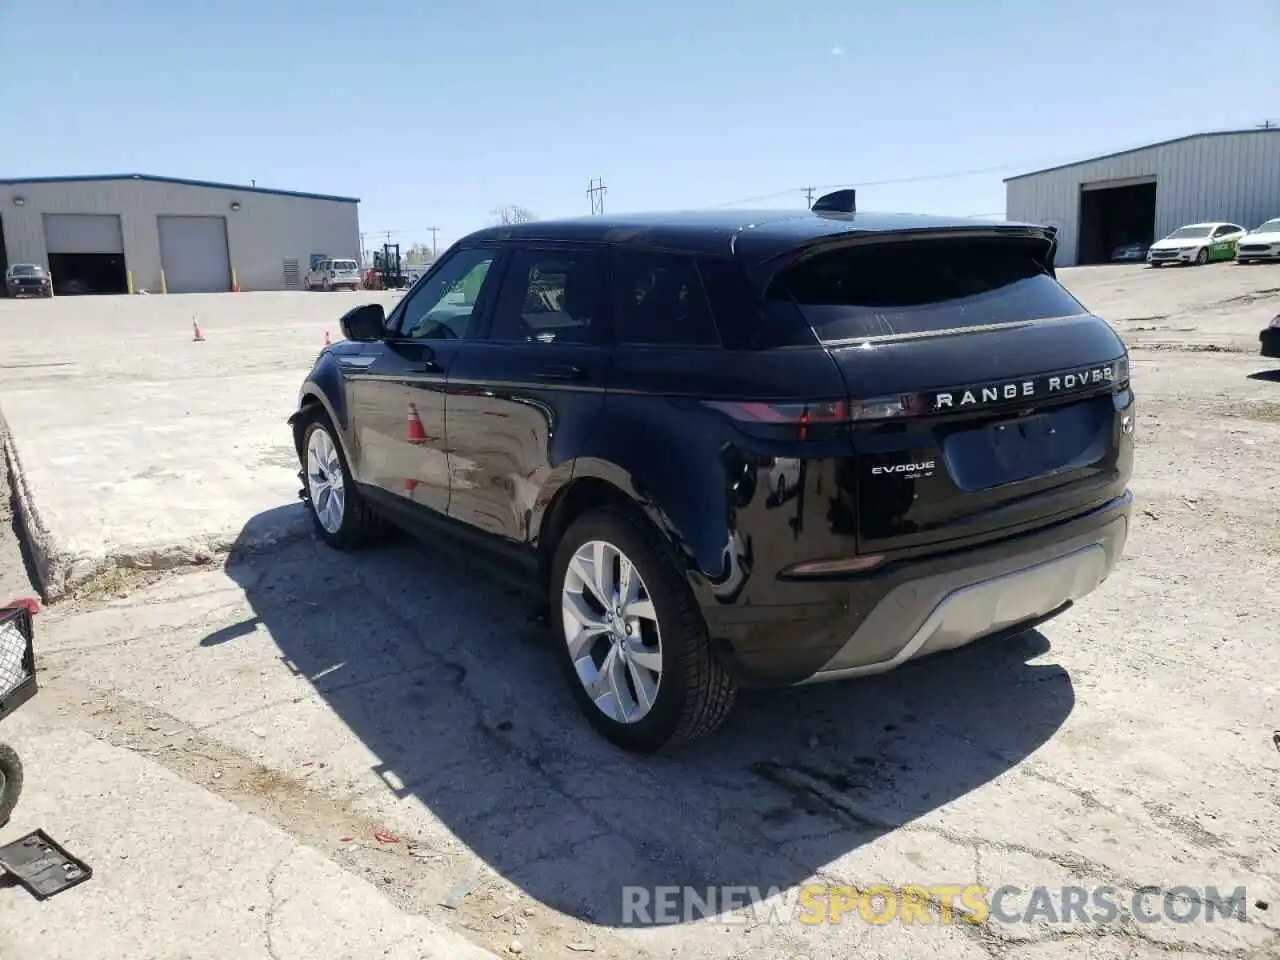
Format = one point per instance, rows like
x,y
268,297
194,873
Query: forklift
x,y
388,272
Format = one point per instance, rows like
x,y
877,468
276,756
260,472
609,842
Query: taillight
x,y
819,412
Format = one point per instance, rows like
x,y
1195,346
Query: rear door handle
x,y
562,373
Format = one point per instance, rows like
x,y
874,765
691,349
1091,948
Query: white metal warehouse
x,y
1142,195
126,232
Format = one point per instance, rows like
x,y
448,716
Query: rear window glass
x,y
920,286
658,299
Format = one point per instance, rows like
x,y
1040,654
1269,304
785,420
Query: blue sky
x,y
435,112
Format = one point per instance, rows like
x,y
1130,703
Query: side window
x,y
441,308
550,296
658,299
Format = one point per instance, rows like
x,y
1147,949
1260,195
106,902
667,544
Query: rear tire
x,y
693,694
10,782
342,517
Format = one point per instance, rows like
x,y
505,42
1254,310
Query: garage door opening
x,y
1114,215
84,273
86,253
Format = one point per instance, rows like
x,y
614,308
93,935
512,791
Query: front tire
x,y
342,517
631,640
1202,257
10,782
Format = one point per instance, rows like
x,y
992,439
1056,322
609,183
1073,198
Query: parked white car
x,y
1260,243
1197,243
334,275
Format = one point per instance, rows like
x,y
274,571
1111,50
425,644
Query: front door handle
x,y
562,373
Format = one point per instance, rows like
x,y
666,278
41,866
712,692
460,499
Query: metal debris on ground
x,y
42,866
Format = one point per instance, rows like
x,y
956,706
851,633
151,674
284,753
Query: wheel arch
x,y
316,392
595,482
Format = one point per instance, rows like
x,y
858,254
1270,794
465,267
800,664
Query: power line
x,y
596,191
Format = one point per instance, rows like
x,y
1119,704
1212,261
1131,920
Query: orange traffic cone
x,y
197,333
415,434
327,341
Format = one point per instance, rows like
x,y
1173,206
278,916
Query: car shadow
x,y
1270,376
432,659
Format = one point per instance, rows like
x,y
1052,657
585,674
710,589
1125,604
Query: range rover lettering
x,y
737,449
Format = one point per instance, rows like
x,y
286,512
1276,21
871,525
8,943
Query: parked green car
x,y
1197,243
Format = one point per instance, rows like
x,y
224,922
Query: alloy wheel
x,y
611,628
325,485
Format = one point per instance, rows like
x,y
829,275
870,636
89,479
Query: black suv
x,y
765,448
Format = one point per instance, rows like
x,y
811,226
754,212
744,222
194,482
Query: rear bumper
x,y
923,607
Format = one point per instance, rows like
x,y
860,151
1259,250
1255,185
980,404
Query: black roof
x,y
152,178
750,234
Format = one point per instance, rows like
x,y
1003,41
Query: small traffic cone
x,y
197,333
414,434
327,341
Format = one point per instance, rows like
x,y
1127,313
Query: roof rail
x,y
842,201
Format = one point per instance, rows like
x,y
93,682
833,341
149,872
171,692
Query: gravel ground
x,y
397,712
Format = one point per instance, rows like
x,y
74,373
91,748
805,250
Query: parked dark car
x,y
1270,338
763,448
27,280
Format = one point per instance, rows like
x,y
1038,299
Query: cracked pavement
x,y
302,753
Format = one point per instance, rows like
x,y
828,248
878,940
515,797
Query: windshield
x,y
1271,226
344,264
26,270
1189,233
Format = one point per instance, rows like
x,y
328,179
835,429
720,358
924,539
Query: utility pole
x,y
364,254
434,231
1265,125
808,196
596,191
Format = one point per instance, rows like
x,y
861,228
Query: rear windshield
x,y
919,286
344,264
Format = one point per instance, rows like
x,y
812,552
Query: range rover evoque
x,y
738,449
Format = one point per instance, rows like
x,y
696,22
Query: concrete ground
x,y
394,716
141,447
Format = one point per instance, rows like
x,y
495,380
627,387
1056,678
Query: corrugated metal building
x,y
102,234
1142,195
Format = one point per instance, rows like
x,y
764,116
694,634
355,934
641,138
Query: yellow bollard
x,y
235,286
128,275
51,293
164,288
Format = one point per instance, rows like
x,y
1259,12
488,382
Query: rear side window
x,y
658,300
919,286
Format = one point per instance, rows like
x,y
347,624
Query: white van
x,y
334,275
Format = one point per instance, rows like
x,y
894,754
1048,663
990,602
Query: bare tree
x,y
512,213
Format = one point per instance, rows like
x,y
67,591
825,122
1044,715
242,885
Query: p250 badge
x,y
907,471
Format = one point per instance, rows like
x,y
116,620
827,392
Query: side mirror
x,y
365,323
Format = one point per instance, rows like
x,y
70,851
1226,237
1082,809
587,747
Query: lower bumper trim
x,y
962,612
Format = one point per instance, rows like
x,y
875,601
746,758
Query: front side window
x,y
442,307
549,296
658,299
